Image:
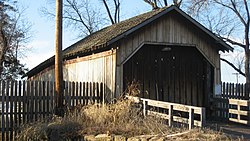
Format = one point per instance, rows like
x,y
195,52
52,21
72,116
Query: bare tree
x,y
79,15
155,4
114,15
13,34
231,20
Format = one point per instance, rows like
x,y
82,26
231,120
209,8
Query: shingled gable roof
x,y
108,35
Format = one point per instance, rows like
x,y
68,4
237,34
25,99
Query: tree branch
x,y
247,9
234,42
166,2
108,10
233,66
154,5
234,9
73,5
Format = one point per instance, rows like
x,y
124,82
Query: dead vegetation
x,y
123,117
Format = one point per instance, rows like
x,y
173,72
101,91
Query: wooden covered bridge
x,y
173,57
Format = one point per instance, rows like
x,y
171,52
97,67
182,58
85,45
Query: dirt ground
x,y
232,129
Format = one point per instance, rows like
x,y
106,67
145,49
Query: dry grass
x,y
122,118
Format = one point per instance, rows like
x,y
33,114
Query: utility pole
x,y
237,77
58,60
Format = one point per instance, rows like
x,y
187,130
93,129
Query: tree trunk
x,y
247,53
3,46
247,65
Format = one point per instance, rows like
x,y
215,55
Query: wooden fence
x,y
174,112
235,91
233,104
232,110
22,102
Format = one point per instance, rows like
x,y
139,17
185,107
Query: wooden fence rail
x,y
22,102
233,103
171,109
232,109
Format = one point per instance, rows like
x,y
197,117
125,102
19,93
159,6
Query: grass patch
x,y
122,118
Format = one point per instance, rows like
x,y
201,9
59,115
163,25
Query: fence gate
x,y
233,104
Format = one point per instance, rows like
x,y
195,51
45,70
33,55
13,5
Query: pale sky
x,y
42,42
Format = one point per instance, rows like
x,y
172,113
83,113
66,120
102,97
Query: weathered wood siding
x,y
171,29
98,67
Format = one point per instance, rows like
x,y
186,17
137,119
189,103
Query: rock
x,y
103,137
157,138
145,137
55,136
89,138
120,138
133,139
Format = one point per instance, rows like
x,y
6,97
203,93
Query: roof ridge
x,y
105,34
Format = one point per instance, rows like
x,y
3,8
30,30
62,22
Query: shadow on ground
x,y
232,129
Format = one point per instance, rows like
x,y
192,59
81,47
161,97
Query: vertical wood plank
x,y
170,115
20,101
203,117
11,108
94,92
238,109
43,100
53,96
15,113
35,99
24,102
98,92
80,94
7,110
87,94
76,93
84,93
66,94
73,94
145,105
191,119
242,91
47,97
102,93
3,109
90,93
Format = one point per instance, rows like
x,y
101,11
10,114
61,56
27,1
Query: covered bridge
x,y
172,56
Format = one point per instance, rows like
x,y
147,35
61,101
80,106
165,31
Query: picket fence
x,y
235,91
22,102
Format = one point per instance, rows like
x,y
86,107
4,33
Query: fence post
x,y
145,104
238,110
203,117
191,118
248,105
3,109
170,115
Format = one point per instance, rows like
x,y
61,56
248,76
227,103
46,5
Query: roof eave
x,y
217,39
140,25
